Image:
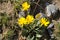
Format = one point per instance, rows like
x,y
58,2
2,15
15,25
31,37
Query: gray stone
x,y
50,26
51,9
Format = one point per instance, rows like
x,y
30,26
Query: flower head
x,y
38,16
25,6
29,19
22,21
44,22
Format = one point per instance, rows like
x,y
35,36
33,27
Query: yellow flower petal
x,y
25,6
29,19
46,24
22,21
44,21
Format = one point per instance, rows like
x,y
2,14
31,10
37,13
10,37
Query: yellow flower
x,y
25,6
38,16
22,21
29,19
44,22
